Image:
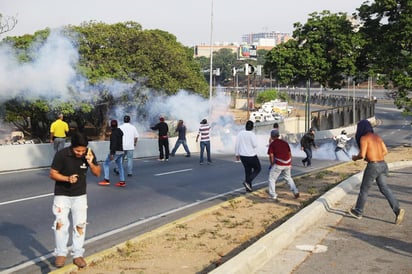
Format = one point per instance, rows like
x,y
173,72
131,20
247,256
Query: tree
x,y
327,46
324,49
125,52
225,60
141,60
7,23
387,28
269,95
280,63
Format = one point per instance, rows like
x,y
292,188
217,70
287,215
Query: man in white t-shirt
x,y
130,137
245,151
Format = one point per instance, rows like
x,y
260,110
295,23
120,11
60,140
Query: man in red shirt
x,y
280,158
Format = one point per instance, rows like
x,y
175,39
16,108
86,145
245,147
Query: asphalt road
x,y
159,193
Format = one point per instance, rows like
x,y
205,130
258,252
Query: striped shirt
x,y
204,130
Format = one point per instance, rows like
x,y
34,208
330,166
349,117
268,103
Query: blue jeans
x,y
308,159
62,206
59,143
203,145
177,145
375,171
129,155
118,159
274,174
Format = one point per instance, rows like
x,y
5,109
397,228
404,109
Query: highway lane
x,y
394,128
159,193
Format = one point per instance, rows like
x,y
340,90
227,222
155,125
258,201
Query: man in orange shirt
x,y
58,131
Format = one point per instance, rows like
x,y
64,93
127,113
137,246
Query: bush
x,y
269,95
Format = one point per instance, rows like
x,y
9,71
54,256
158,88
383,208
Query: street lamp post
x,y
211,62
354,105
307,106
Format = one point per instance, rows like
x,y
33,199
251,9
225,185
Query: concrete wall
x,y
18,157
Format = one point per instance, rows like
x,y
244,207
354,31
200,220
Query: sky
x,y
193,22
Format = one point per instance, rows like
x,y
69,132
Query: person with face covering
x,y
372,149
341,141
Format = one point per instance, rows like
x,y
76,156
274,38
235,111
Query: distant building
x,y
265,38
204,50
262,40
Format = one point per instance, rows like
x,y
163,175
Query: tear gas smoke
x,y
49,75
52,75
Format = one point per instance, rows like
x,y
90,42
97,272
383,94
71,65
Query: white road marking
x,y
124,228
26,199
172,172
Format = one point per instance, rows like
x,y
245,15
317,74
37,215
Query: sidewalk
x,y
322,238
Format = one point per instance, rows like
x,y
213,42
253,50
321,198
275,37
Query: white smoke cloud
x,y
49,74
190,108
52,74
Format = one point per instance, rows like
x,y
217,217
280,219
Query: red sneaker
x,y
104,183
121,184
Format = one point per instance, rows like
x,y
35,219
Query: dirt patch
x,y
201,242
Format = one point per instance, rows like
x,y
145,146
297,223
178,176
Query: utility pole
x,y
211,62
307,106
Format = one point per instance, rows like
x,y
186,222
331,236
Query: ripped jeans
x,y
62,206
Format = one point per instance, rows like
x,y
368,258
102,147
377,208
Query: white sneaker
x,y
399,217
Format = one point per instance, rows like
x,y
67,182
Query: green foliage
x,y
224,59
280,63
269,95
144,59
387,29
24,45
127,53
324,50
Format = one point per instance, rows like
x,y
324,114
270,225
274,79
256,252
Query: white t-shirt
x,y
129,133
246,144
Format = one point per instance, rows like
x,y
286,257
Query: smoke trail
x,y
52,75
49,74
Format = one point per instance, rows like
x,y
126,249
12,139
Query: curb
x,y
70,268
257,255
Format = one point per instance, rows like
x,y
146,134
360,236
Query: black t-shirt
x,y
163,129
308,140
68,164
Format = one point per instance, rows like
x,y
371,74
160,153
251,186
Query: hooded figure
x,y
372,149
364,127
